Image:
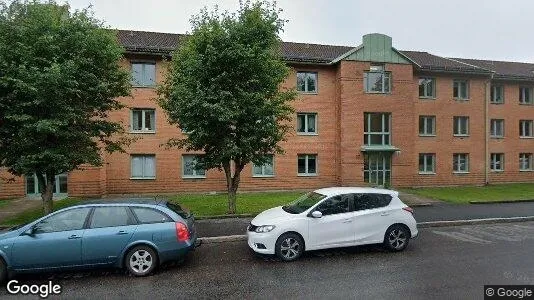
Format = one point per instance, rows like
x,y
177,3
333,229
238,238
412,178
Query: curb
x,y
243,237
500,201
225,216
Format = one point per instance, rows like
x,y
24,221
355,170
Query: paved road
x,y
443,263
439,212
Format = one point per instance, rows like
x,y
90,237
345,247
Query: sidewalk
x,y
436,212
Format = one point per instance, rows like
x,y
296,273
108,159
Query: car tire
x,y
396,238
141,261
289,246
3,271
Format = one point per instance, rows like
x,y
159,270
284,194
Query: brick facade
x,y
340,104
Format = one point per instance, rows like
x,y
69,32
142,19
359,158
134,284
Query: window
x,y
460,90
143,120
427,163
377,128
189,167
427,88
461,126
335,205
377,80
497,128
72,219
525,162
460,163
111,216
427,125
525,129
497,162
265,170
143,74
307,123
307,82
143,166
147,215
497,94
307,164
370,201
525,95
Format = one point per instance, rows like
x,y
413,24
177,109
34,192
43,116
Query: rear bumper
x,y
180,251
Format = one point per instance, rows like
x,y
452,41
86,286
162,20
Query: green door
x,y
377,168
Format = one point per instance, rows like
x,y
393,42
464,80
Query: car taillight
x,y
408,209
182,234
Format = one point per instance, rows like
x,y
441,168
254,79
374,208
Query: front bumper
x,y
262,243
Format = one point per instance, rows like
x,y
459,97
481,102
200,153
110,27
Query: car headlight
x,y
265,228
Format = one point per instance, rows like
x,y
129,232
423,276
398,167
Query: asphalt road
x,y
437,212
443,263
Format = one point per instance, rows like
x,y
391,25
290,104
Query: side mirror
x,y
317,214
30,232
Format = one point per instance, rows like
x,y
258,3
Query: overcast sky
x,y
485,29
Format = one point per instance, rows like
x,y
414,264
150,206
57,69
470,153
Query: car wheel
x,y
3,271
141,260
397,238
289,247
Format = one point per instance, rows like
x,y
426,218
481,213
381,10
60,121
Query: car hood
x,y
4,235
271,216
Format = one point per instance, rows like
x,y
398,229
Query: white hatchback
x,y
333,217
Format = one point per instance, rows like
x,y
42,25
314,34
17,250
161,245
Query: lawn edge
x,y
499,201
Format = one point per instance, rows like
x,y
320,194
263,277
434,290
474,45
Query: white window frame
x,y
425,88
195,175
143,120
425,120
306,157
493,128
458,121
386,135
262,174
458,82
456,158
378,69
143,63
306,124
522,95
143,176
306,88
497,159
526,159
523,126
497,90
425,165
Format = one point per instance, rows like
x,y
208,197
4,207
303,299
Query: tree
x,y
59,78
224,89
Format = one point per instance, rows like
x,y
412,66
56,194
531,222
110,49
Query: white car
x,y
333,217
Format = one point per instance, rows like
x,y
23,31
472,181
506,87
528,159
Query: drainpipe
x,y
486,130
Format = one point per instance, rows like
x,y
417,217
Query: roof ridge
x,y
144,31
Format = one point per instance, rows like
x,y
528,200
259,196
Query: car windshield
x,y
303,203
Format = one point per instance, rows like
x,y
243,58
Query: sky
x,y
482,29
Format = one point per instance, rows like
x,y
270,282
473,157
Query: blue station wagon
x,y
137,235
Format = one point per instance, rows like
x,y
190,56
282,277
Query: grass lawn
x,y
32,214
247,203
464,194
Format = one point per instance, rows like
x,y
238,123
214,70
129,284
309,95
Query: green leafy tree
x,y
224,89
59,78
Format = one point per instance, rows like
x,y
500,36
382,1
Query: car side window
x,y
110,216
147,215
335,205
370,201
72,219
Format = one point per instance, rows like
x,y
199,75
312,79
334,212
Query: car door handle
x,y
384,214
122,232
74,236
347,221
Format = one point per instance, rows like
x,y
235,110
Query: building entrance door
x,y
377,168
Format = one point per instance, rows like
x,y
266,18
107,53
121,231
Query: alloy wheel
x,y
290,248
141,261
397,238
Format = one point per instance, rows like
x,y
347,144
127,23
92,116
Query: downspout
x,y
486,129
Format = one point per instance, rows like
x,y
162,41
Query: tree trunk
x,y
232,183
47,190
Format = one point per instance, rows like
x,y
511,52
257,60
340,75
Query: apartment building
x,y
365,115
